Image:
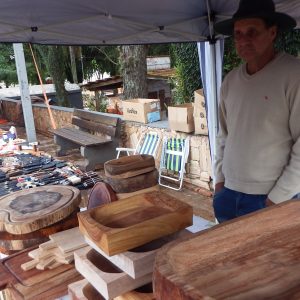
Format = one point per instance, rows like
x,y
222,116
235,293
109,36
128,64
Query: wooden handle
x,y
6,277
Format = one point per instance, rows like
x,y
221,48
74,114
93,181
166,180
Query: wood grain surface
x,y
134,221
67,223
35,284
106,278
139,261
101,193
253,257
127,164
133,184
29,210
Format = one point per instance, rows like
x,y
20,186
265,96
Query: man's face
x,y
253,39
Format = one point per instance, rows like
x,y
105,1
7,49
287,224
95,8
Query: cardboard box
x,y
199,104
141,110
181,117
201,126
200,118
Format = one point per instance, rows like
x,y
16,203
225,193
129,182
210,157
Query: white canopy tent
x,y
113,22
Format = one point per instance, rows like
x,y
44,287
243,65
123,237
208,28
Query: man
x,y
258,145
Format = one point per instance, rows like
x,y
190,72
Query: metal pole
x,y
24,91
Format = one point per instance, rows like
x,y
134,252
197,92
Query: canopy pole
x,y
24,91
43,90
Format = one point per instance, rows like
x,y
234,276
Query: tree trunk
x,y
73,64
134,71
57,71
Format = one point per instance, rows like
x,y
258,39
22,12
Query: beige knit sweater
x,y
258,145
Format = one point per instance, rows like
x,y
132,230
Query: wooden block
x,y
132,222
138,262
29,265
48,245
108,280
75,290
68,240
45,263
252,257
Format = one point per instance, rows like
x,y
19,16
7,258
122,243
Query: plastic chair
x,y
175,152
147,144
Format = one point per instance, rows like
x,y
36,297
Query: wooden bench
x,y
95,149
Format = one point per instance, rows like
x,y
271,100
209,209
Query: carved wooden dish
x,y
134,221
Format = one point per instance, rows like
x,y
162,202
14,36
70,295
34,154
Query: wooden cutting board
x,y
29,210
35,284
134,221
253,257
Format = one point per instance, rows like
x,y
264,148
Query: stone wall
x,y
12,111
198,168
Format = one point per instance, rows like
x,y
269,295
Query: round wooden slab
x,y
29,210
101,193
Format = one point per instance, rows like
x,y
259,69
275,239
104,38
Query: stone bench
x,y
94,148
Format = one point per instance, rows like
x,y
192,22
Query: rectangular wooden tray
x,y
106,278
35,284
139,261
132,222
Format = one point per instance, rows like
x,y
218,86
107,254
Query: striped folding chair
x,y
147,144
174,156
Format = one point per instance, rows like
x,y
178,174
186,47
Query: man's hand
x,y
269,202
219,186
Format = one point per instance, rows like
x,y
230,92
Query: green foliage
x,y
230,60
8,72
89,101
99,60
159,49
187,79
289,42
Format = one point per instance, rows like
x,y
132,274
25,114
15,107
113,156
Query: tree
x,y
134,71
188,79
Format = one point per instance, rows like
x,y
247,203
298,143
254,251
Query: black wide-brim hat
x,y
264,9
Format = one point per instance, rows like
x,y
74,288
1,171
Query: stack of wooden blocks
x,y
124,237
59,250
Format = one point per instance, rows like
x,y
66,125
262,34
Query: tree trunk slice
x,y
29,210
128,163
67,223
101,193
17,245
253,257
133,184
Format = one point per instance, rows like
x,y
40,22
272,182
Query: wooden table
x,y
254,257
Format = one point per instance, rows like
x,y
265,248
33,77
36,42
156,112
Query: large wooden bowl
x,y
134,221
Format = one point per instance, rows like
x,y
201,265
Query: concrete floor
x,y
202,205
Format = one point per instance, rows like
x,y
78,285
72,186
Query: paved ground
x,y
202,205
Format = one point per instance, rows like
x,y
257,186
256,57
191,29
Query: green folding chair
x,y
175,152
147,144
